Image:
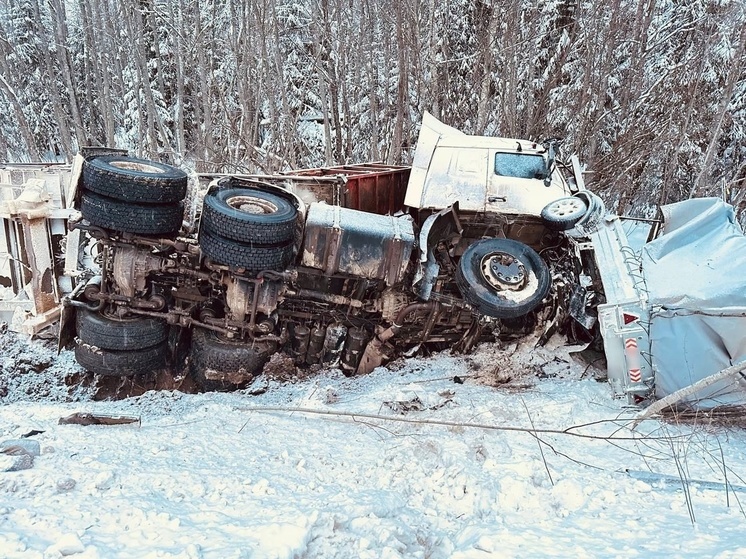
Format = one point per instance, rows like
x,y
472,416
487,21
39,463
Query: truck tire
x,y
253,258
564,213
134,180
217,363
128,217
249,215
502,278
113,363
119,333
593,218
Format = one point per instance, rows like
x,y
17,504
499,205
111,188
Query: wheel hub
x,y
135,166
568,206
251,205
504,272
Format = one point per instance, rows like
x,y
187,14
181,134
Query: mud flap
x,y
437,227
470,338
579,305
66,333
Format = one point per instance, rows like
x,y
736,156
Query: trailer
x,y
675,308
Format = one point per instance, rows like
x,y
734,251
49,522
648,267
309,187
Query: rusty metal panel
x,y
343,240
43,284
380,192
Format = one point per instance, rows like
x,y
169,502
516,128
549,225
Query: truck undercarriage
x,y
324,284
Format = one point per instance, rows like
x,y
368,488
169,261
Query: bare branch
x,y
356,415
679,395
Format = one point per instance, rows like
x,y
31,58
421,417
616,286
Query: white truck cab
x,y
483,174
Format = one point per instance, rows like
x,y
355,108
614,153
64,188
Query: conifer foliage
x,y
650,93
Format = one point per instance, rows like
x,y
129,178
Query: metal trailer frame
x,y
624,318
35,205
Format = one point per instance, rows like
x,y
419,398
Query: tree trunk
x,y
65,138
734,74
59,19
395,155
20,118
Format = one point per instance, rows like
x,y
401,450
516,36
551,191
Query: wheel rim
x,y
503,271
114,317
251,205
566,207
136,166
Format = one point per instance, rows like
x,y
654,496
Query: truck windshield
x,y
521,165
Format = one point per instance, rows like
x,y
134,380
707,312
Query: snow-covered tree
x,y
650,93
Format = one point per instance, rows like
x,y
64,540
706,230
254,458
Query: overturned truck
x,y
350,266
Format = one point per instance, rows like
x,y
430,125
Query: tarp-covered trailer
x,y
675,311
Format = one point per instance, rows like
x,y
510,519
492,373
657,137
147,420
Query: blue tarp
x,y
695,276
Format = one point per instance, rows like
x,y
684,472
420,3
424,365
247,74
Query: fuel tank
x,y
368,245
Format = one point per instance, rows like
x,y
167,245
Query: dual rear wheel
x,y
248,229
133,195
112,346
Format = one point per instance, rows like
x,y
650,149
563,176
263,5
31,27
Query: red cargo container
x,y
369,187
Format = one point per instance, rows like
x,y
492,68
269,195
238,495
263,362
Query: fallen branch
x,y
676,397
355,416
538,441
97,419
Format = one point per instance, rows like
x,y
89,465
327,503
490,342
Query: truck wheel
x,y
502,278
134,180
113,363
593,218
254,258
564,213
248,215
128,217
107,332
218,363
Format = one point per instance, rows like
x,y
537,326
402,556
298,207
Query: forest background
x,y
651,94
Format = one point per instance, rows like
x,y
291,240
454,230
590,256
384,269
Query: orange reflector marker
x,y
632,354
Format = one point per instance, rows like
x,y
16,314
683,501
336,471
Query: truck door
x,y
517,183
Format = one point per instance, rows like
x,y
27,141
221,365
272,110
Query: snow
x,y
228,475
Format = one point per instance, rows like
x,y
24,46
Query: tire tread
x,y
253,258
129,217
260,229
101,177
107,333
112,363
235,359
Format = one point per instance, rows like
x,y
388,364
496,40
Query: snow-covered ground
x,y
224,476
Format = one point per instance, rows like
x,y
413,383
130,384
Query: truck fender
x,y
437,227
